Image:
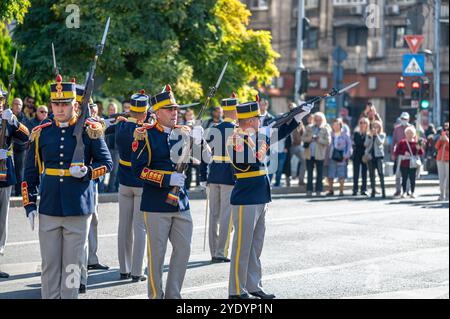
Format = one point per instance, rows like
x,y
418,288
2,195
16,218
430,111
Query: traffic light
x,y
415,92
401,85
425,94
306,27
304,83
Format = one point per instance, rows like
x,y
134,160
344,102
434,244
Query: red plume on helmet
x,y
58,78
74,80
257,97
234,95
142,92
168,88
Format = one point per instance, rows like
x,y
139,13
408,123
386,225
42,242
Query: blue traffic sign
x,y
414,65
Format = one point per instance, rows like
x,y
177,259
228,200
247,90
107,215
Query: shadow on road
x,y
22,294
110,278
427,204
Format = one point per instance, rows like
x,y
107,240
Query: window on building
x,y
357,36
311,4
444,34
259,4
348,2
398,37
312,39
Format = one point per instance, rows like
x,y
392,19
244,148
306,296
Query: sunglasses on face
x,y
44,112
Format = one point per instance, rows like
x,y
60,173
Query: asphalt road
x,y
314,248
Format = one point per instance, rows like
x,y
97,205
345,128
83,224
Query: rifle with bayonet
x,y
287,117
78,155
172,198
3,168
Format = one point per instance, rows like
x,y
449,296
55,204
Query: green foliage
x,y
21,87
151,43
13,9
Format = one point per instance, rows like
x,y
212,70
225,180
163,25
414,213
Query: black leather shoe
x,y
138,278
82,289
364,194
3,275
262,295
125,276
98,267
243,296
219,260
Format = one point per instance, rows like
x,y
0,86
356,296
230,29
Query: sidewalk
x,y
199,194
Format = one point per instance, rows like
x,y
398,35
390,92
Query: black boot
x,y
262,295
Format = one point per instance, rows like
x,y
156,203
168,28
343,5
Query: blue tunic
x,y
152,164
46,171
124,138
247,154
17,131
221,170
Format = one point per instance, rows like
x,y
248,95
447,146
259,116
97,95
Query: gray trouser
x,y
161,227
5,194
131,234
63,243
398,179
443,172
250,228
299,151
91,257
220,224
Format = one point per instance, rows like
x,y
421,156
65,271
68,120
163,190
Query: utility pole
x,y
300,66
437,63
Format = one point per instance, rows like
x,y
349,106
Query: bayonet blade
x,y
348,87
54,56
105,33
189,105
15,63
221,75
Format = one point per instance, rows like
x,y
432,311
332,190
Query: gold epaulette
x,y
141,131
94,129
36,132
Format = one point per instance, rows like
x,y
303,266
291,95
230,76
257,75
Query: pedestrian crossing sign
x,y
413,65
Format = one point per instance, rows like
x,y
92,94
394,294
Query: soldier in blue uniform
x,y
154,163
14,129
249,149
131,233
221,181
66,191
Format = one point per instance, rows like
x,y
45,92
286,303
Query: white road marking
x,y
313,270
426,293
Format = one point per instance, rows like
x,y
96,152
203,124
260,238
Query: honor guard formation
x,y
68,156
153,200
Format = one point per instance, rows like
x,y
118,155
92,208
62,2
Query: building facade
x,y
370,31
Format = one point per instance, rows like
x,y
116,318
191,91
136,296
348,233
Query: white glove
x,y
108,122
3,154
306,110
31,217
7,115
266,130
197,134
203,185
177,179
78,171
